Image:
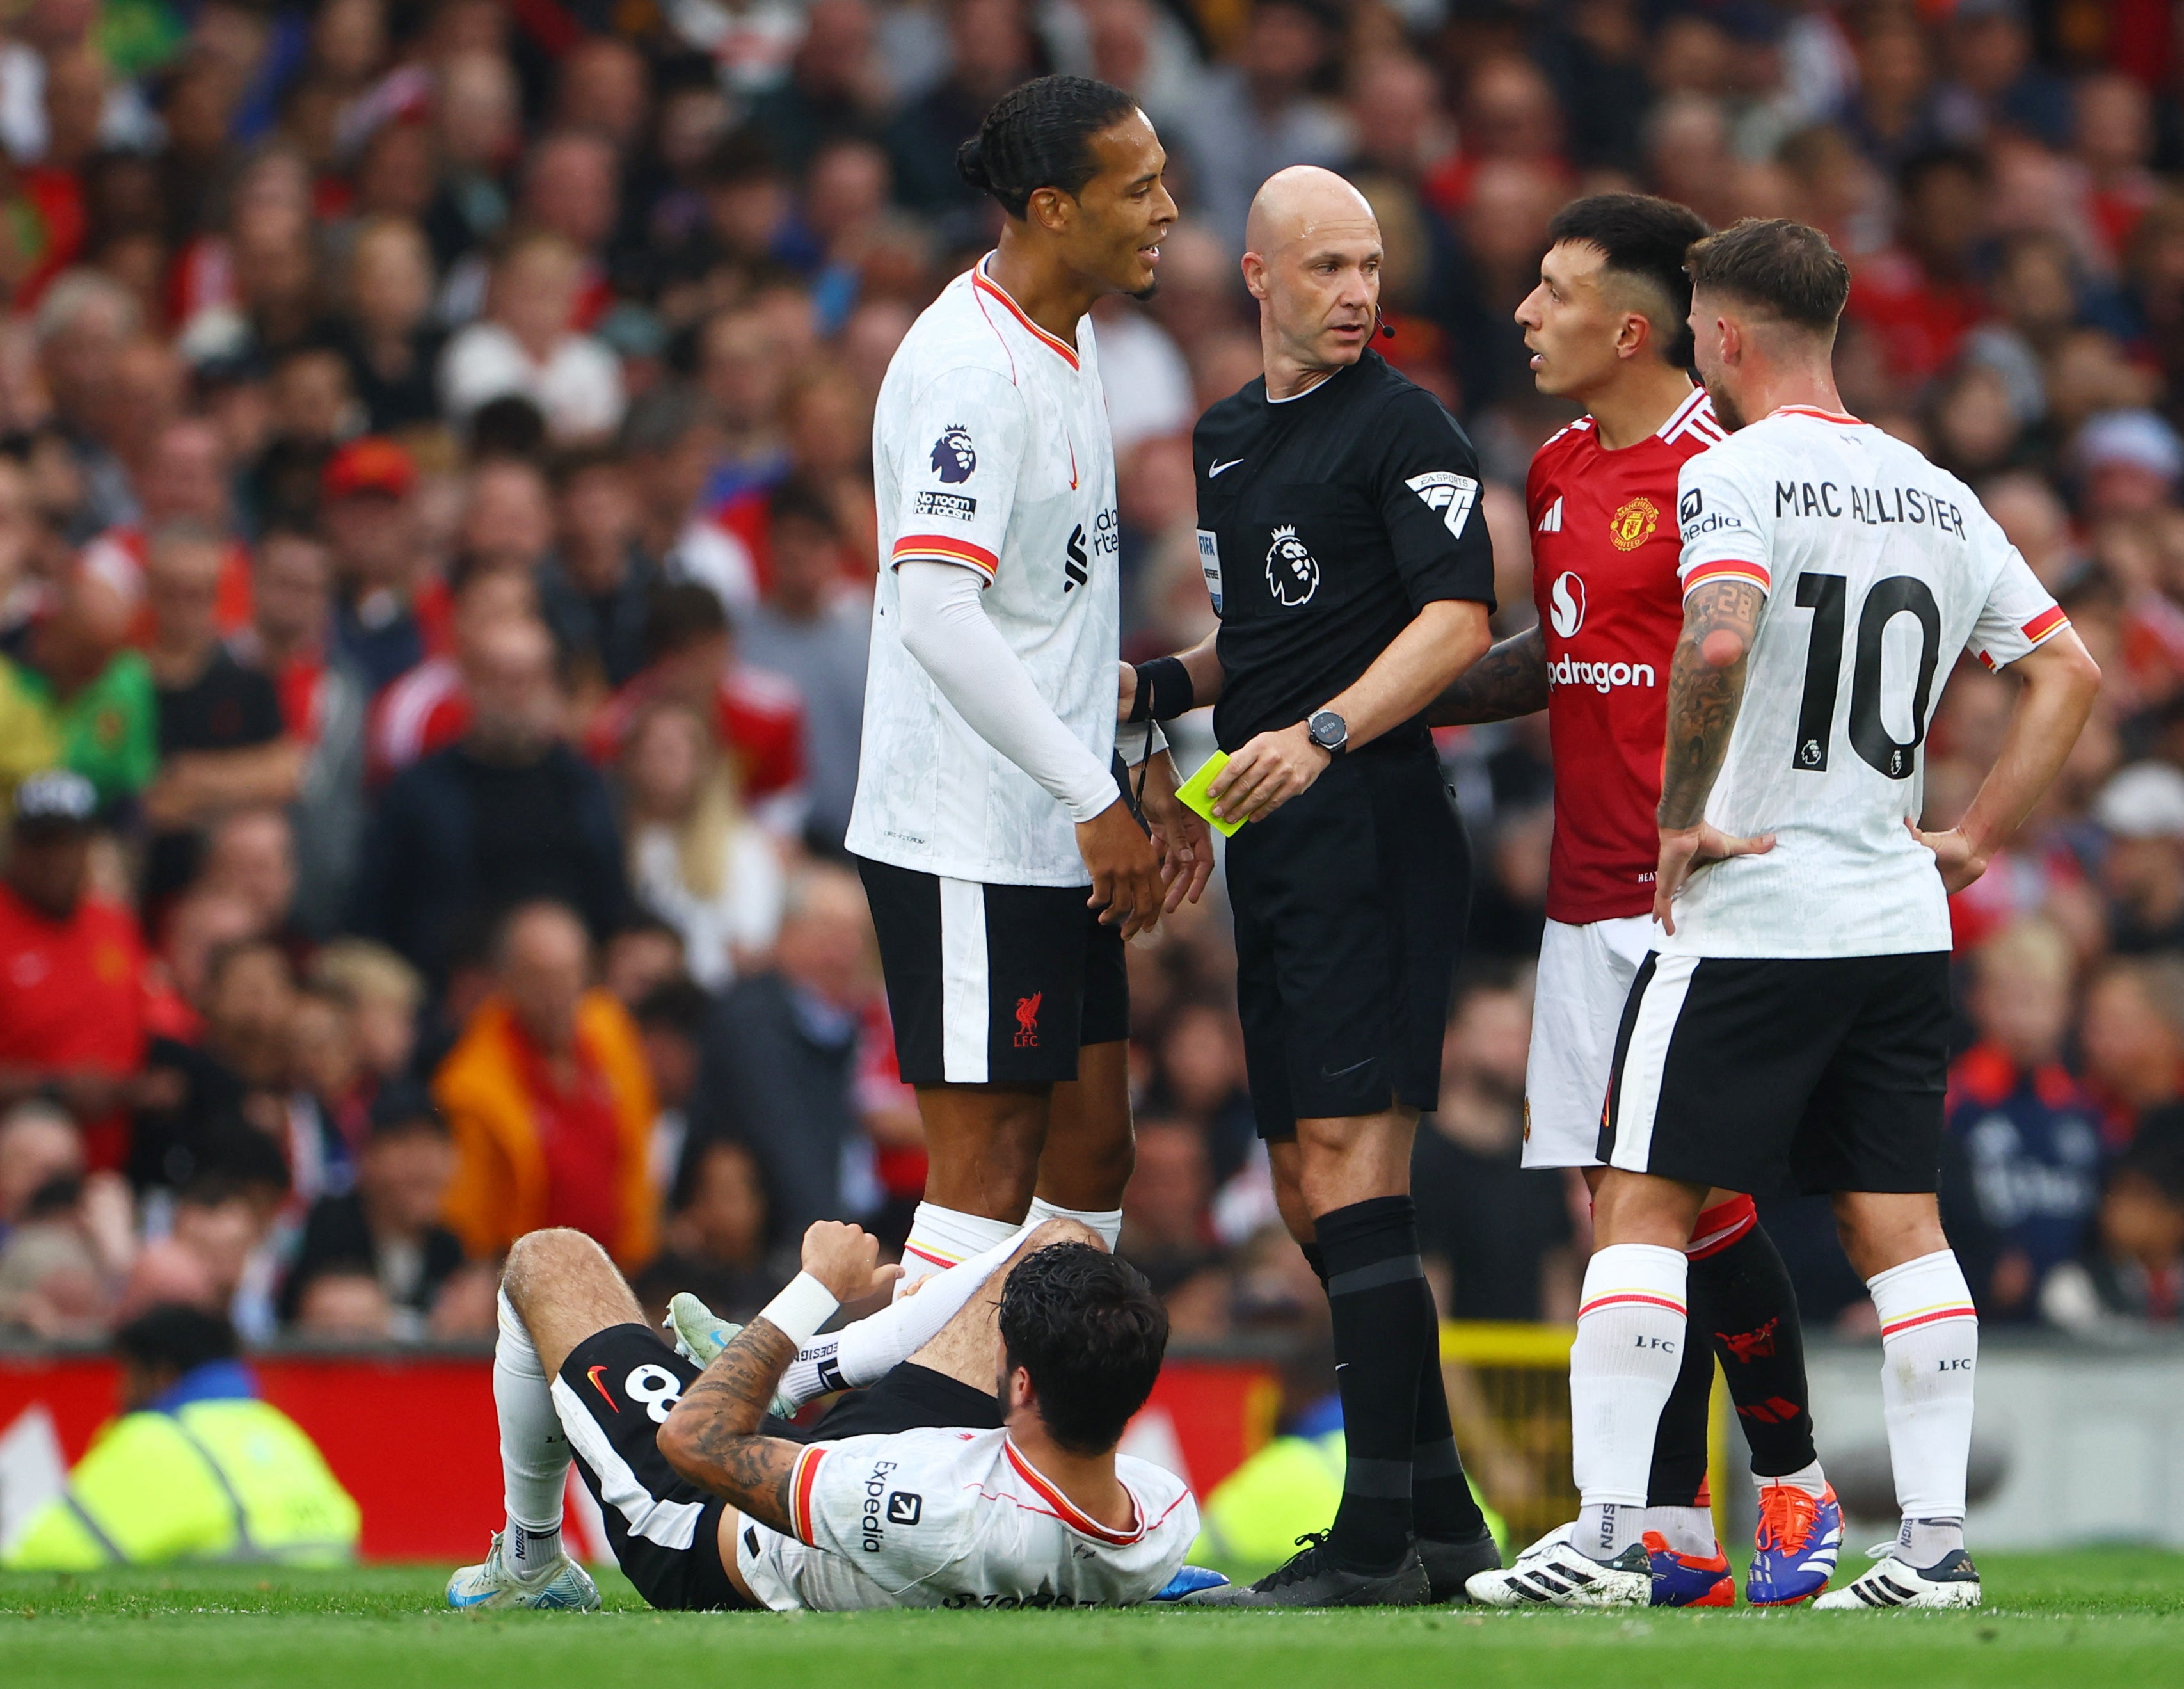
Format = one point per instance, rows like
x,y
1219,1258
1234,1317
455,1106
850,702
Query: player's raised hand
x,y
1683,849
1125,867
1954,854
846,1260
1266,773
1181,835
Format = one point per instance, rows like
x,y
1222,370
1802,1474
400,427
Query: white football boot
x,y
562,1584
1550,1572
1952,1581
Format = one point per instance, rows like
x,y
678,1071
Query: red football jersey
x,y
1604,553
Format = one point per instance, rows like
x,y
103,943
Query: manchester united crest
x,y
1633,525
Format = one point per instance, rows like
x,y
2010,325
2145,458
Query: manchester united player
x,y
1606,327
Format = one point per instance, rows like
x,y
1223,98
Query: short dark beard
x,y
1724,410
1146,293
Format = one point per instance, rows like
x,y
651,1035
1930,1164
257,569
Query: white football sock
x,y
1922,1542
941,1238
1108,1222
1929,1352
1685,1530
865,1351
1808,1478
534,1450
1630,1324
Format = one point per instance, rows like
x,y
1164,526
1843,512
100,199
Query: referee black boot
x,y
1448,1564
1309,1577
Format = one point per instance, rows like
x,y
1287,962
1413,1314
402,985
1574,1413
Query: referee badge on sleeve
x,y
1209,562
1451,494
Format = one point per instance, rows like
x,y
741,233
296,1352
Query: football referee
x,y
1353,578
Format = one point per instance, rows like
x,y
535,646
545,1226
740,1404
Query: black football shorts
x,y
1812,1075
993,985
1350,903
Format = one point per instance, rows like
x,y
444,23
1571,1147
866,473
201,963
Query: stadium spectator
x,y
526,345
813,629
386,336
366,507
596,588
691,659
72,986
1497,1236
72,692
387,1231
780,1056
696,859
718,1236
507,813
548,1098
324,699
223,743
2023,1137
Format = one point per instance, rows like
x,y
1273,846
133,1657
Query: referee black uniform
x,y
1326,522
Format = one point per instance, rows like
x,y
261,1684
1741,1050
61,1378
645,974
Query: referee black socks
x,y
1384,1328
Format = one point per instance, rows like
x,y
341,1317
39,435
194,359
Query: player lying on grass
x,y
978,1469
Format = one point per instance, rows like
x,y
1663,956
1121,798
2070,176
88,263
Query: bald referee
x,y
1353,580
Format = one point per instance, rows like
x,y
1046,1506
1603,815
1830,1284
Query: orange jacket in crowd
x,y
500,1188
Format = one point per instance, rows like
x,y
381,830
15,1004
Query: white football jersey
x,y
1877,570
990,448
959,1518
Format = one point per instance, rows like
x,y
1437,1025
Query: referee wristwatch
x,y
1328,731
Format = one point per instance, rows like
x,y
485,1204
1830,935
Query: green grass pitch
x,y
2097,1617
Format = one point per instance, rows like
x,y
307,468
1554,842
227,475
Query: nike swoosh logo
x,y
1343,1073
1218,466
592,1373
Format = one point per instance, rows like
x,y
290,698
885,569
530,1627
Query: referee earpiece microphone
x,y
1387,329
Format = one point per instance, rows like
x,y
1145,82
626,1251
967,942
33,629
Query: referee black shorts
x,y
617,1390
993,985
1815,1074
1350,903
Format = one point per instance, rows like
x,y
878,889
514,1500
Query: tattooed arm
x,y
1706,689
1510,680
712,1437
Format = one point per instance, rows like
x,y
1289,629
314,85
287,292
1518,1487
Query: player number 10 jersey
x,y
1878,569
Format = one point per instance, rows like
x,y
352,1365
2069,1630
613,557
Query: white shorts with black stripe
x,y
993,985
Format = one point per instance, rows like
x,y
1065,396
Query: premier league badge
x,y
1292,572
953,457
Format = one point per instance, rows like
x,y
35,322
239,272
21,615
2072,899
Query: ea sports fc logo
x,y
1566,604
1633,524
1292,572
953,455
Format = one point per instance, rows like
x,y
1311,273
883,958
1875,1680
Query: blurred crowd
x,y
436,554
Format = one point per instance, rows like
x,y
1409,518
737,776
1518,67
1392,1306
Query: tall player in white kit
x,y
1791,1025
988,806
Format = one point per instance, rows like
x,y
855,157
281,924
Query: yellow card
x,y
1192,794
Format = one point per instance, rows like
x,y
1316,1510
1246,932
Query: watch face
x,y
1328,730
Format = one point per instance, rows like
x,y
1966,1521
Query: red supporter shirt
x,y
758,715
580,1136
1605,549
72,997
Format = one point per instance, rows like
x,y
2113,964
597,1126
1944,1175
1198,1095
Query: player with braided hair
x,y
988,814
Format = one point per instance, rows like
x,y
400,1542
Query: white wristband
x,y
800,1309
